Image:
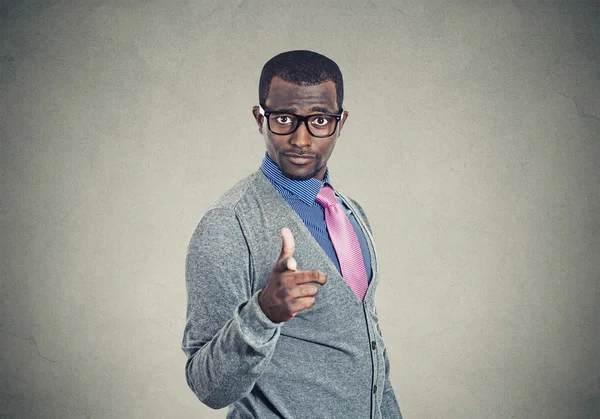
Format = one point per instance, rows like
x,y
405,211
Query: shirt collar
x,y
306,190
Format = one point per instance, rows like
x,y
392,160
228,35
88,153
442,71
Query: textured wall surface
x,y
473,143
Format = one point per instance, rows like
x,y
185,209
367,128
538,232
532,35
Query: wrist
x,y
254,323
264,306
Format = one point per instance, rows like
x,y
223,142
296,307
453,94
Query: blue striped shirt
x,y
301,195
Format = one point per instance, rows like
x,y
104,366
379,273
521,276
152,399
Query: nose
x,y
301,138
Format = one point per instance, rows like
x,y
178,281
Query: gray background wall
x,y
473,144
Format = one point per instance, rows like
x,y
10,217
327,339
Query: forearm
x,y
224,369
229,341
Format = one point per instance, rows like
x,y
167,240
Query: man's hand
x,y
289,291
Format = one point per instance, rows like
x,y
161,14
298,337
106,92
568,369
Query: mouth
x,y
299,159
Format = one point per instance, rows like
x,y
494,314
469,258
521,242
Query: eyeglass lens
x,y
318,125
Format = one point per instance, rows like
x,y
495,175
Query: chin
x,y
301,173
299,176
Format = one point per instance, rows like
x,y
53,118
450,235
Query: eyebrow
x,y
294,110
320,109
285,110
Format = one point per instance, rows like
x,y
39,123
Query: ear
x,y
258,117
343,121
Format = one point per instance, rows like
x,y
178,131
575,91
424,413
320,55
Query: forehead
x,y
285,95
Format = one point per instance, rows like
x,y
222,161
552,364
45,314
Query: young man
x,y
281,271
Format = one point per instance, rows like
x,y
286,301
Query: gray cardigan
x,y
327,362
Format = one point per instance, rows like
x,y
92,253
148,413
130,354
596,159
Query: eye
x,y
284,120
321,120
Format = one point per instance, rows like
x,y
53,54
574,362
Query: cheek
x,y
273,145
275,142
328,149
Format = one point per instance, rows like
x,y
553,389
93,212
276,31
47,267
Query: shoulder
x,y
220,224
230,199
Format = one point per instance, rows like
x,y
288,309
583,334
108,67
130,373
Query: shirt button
x,y
375,389
373,345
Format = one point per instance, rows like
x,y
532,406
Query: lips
x,y
299,159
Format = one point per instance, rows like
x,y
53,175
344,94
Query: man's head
x,y
304,68
293,85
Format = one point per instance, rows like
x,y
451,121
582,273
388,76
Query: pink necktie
x,y
344,242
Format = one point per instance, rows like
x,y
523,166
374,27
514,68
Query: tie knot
x,y
326,197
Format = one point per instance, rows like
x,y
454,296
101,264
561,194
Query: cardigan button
x,y
375,389
373,345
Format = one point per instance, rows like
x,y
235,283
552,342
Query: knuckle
x,y
284,281
283,293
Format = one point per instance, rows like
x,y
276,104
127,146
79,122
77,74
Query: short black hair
x,y
301,67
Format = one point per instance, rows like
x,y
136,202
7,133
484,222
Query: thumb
x,y
286,259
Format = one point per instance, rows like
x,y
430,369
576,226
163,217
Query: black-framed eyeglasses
x,y
319,125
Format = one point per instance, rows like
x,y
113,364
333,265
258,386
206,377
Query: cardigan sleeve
x,y
228,339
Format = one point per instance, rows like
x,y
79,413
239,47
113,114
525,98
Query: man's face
x,y
300,155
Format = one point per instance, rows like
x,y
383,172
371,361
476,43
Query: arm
x,y
228,339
